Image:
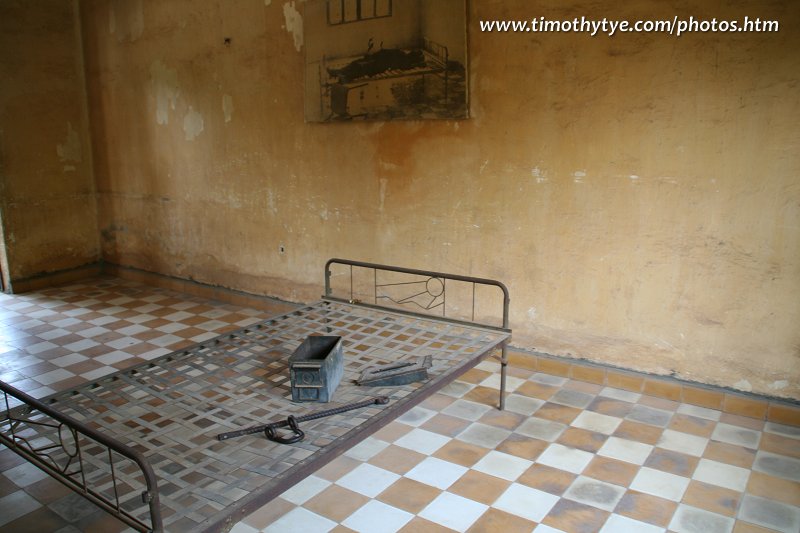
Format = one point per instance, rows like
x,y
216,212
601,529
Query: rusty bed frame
x,y
140,443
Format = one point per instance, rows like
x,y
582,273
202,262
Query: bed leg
x,y
503,368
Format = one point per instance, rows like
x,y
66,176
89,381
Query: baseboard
x,y
195,288
750,405
53,279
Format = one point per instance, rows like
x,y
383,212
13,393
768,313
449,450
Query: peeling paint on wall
x,y
192,124
271,205
70,151
227,107
539,175
165,87
294,24
779,385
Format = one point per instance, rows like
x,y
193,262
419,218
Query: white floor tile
x,y
54,375
597,422
722,475
436,473
165,340
493,382
368,480
178,316
241,527
171,327
300,519
625,450
69,359
542,528
502,465
40,347
377,517
526,502
152,354
661,484
453,511
113,357
682,443
54,334
93,332
366,449
422,441
622,524
203,336
123,342
97,373
564,458
305,490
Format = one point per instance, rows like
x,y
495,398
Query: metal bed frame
x,y
141,443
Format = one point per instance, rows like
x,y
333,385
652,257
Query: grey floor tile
x,y
689,519
483,435
16,505
572,398
771,514
542,429
649,415
777,465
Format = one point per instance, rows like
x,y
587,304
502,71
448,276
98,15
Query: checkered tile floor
x,y
565,455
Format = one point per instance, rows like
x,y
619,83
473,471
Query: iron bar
x,y
290,421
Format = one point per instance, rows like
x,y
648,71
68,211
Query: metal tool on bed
x,y
398,373
142,443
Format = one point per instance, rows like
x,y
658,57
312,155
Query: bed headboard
x,y
452,297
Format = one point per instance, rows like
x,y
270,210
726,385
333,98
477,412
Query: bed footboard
x,y
56,443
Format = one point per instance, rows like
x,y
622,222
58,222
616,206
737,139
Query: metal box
x,y
316,368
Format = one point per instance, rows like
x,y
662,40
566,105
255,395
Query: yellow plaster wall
x,y
639,194
47,199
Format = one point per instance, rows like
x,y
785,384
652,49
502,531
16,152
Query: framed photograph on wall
x,y
385,60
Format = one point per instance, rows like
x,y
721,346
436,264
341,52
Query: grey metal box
x,y
316,368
